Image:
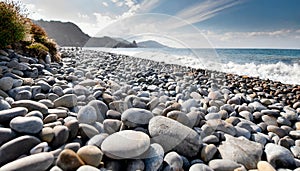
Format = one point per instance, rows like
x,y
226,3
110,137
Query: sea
x,y
275,64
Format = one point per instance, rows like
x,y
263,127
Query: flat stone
x,y
6,134
35,162
73,126
47,134
27,125
241,150
88,82
279,157
13,149
87,131
87,168
7,115
265,166
133,144
4,105
23,95
87,114
31,105
180,117
171,134
67,100
111,126
6,83
223,165
97,140
134,117
69,160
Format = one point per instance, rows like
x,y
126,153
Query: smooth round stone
x,y
171,134
113,114
278,131
295,134
67,100
210,139
61,135
50,118
242,132
73,126
36,162
87,168
90,155
75,146
200,167
101,109
208,152
27,125
179,117
69,160
279,157
31,105
6,83
174,160
13,149
246,115
241,150
7,115
111,126
88,82
272,112
41,147
52,96
134,117
6,134
4,105
187,105
97,139
58,90
47,102
265,166
87,114
61,113
87,131
133,165
47,134
133,144
194,117
212,116
223,165
23,95
35,113
153,157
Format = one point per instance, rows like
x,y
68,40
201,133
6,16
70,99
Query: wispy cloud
x,y
105,4
203,11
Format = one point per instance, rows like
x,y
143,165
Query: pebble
x,y
87,114
241,150
90,155
14,148
133,144
27,125
67,100
4,104
208,152
134,117
61,135
6,134
31,105
200,167
6,83
42,161
153,157
223,165
101,109
68,160
265,166
279,157
7,115
174,160
47,134
171,134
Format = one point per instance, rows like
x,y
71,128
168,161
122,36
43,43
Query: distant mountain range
x,y
69,34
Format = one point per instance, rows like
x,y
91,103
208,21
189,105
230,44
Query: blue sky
x,y
182,23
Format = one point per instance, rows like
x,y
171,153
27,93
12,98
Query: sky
x,y
182,23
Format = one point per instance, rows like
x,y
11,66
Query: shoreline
x,y
133,113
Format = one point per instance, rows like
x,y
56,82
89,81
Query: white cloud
x,y
203,11
83,16
105,4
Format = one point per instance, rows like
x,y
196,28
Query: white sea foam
x,y
285,73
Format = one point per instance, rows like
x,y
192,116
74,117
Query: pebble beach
x,y
103,111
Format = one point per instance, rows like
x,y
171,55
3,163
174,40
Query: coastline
x,y
193,117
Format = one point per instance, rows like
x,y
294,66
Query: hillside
x,y
151,44
69,34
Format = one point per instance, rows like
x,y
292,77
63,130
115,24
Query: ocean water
x,y
275,64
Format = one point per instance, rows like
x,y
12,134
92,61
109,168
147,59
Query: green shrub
x,y
38,50
12,23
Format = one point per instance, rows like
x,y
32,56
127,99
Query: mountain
x,y
69,34
151,44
